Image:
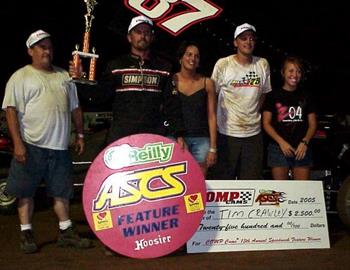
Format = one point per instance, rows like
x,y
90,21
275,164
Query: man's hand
x,y
20,152
75,69
79,146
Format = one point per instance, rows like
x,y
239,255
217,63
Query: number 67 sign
x,y
194,11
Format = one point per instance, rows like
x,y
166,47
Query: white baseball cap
x,y
36,37
138,20
242,28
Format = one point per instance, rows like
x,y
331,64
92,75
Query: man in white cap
x,y
242,80
140,87
139,84
39,101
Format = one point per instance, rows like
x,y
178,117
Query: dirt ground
x,y
52,257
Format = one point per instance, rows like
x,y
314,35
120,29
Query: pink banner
x,y
144,196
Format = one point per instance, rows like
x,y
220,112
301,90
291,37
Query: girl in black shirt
x,y
289,119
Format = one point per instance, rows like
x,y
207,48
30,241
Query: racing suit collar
x,y
137,57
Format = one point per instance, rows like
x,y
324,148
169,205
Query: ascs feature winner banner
x,y
144,196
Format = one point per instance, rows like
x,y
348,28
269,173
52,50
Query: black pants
x,y
239,158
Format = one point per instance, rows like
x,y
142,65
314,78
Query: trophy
x,y
85,54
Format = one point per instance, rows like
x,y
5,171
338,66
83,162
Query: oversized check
x,y
262,215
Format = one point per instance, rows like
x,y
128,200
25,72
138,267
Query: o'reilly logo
x,y
124,155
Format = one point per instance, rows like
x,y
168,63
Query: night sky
x,y
318,32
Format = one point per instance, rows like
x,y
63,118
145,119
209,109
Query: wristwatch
x,y
305,142
80,135
212,150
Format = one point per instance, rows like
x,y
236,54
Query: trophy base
x,y
84,81
85,55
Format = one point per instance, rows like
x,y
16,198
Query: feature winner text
x,y
150,221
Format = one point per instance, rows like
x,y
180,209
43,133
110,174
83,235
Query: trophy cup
x,y
80,56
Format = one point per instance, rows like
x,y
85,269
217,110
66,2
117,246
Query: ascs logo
x,y
270,197
127,188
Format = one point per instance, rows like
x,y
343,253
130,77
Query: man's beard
x,y
142,45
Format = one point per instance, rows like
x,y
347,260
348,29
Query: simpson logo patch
x,y
139,79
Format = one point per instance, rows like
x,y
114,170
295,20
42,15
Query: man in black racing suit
x,y
144,98
140,85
